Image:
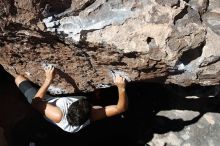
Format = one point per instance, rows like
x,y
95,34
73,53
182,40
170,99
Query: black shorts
x,y
29,90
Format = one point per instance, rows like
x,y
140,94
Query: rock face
x,y
146,40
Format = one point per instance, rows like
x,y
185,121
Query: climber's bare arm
x,y
49,73
99,112
51,112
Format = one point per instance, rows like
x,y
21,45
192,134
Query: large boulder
x,y
88,41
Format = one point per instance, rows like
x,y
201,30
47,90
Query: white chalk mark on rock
x,y
56,90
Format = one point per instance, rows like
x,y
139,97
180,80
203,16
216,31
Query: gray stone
x,y
213,21
214,5
199,5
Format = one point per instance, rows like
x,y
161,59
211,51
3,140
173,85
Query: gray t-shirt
x,y
63,103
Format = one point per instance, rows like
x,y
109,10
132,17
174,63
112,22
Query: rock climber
x,y
70,113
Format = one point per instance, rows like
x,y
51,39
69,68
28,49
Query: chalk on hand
x,y
46,65
115,73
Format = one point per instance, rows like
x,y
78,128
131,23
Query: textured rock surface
x,y
157,40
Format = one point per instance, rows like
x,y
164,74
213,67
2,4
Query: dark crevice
x,y
118,63
175,71
207,4
149,40
1,42
14,27
148,70
87,4
53,7
181,14
192,54
186,1
12,8
131,54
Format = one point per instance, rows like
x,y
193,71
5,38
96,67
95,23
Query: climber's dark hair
x,y
79,112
